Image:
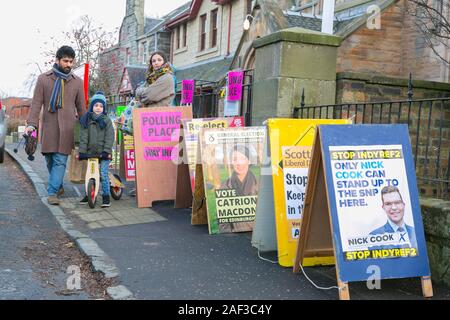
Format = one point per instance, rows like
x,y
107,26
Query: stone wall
x,y
432,145
395,50
364,87
436,221
279,74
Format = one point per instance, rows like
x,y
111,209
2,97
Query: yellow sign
x,y
290,149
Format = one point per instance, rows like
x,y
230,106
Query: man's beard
x,y
66,70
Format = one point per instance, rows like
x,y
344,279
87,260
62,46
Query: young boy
x,y
97,138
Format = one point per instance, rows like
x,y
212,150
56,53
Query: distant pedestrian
x,y
62,95
97,139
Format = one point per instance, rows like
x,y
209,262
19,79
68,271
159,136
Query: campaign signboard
x,y
235,81
187,91
128,158
290,143
231,165
119,111
156,136
191,129
366,174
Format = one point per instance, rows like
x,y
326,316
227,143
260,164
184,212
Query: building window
x,y
144,52
202,32
248,7
177,38
184,35
128,58
214,24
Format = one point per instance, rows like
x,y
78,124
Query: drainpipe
x,y
229,28
171,49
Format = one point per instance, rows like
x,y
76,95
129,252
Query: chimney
x,y
328,16
136,7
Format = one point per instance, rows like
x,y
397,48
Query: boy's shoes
x,y
60,192
106,202
53,200
84,200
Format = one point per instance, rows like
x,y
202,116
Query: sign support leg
x,y
427,287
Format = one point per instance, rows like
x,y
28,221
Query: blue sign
x,y
373,202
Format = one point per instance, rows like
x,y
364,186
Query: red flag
x,y
86,84
83,72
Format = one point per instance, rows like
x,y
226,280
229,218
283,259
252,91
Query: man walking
x,y
61,94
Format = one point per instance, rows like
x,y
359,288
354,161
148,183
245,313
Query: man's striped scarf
x,y
57,98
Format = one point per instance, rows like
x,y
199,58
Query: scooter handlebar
x,y
90,156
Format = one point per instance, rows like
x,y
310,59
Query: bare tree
x,y
89,39
432,20
4,94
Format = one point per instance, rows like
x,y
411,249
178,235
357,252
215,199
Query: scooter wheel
x,y
116,192
91,193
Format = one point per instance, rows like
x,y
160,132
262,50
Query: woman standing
x,y
159,89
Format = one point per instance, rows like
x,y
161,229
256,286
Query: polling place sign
x,y
156,136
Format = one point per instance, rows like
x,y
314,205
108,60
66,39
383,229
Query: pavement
x,y
35,254
155,253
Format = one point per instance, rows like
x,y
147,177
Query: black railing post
x,y
302,105
410,96
248,115
410,88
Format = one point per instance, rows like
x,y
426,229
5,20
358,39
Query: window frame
x,y
177,37
214,28
144,52
203,32
185,35
128,56
248,7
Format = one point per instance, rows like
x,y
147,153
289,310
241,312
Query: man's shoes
x,y
53,200
106,202
132,193
60,192
84,200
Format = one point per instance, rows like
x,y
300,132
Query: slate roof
x,y
136,75
315,24
348,19
153,25
211,71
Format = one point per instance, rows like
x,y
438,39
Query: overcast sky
x,y
26,24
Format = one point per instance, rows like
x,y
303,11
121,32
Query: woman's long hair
x,y
150,66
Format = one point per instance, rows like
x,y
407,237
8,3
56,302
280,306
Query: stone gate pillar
x,y
288,61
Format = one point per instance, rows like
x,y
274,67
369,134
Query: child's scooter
x,y
92,181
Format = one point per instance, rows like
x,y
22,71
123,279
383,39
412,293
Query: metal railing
x,y
207,95
205,99
428,121
114,101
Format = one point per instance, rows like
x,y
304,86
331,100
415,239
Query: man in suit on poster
x,y
393,205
